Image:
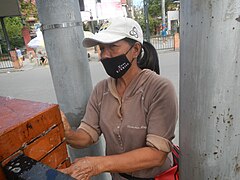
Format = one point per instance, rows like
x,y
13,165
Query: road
x,y
36,83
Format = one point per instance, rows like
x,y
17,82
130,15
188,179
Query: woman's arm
x,y
135,160
76,139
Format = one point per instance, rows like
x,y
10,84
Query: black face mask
x,y
117,66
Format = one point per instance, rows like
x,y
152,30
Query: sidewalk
x,y
27,65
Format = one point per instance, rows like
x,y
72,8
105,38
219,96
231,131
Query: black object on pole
x,y
81,4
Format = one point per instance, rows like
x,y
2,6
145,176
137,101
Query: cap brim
x,y
101,38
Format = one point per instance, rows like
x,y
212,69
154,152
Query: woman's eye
x,y
113,47
101,48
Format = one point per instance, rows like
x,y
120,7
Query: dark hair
x,y
148,57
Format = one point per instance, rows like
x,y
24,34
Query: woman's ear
x,y
137,49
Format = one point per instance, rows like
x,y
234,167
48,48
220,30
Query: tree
x,y
14,25
155,13
14,29
28,10
154,8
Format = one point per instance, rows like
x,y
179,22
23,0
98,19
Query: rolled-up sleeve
x,y
91,131
159,143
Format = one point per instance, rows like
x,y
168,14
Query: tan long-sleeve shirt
x,y
146,115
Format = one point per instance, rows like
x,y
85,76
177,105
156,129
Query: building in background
x,y
96,10
173,21
93,12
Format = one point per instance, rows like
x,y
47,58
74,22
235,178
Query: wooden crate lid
x,y
22,121
15,111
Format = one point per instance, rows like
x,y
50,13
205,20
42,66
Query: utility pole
x,y
163,14
96,9
210,90
130,9
63,35
92,23
146,6
0,44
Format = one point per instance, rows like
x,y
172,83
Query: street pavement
x,y
34,82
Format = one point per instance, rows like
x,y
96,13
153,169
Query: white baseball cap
x,y
115,29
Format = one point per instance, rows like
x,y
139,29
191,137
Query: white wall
x,y
172,15
104,10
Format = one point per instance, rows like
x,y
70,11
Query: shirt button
x,y
118,127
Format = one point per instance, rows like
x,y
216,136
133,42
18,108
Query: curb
x,y
9,70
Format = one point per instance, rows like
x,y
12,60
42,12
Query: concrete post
x,y
163,14
63,35
96,9
146,19
210,90
130,9
15,61
26,38
176,41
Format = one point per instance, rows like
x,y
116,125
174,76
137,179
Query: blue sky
x,y
137,2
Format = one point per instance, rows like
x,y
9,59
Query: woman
x,y
135,109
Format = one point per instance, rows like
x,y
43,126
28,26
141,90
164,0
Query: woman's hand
x,y
66,124
83,168
76,139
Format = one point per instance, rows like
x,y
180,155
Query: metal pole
x,y
5,33
163,14
63,35
129,9
92,25
0,44
210,90
146,6
96,9
93,28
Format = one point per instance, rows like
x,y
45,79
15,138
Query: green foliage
x,y
28,10
170,6
154,8
14,25
154,14
14,29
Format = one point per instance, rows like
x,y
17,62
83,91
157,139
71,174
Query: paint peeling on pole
x,y
238,19
210,89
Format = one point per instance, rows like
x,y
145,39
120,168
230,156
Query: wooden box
x,y
34,129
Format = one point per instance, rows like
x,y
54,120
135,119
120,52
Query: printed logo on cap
x,y
134,32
